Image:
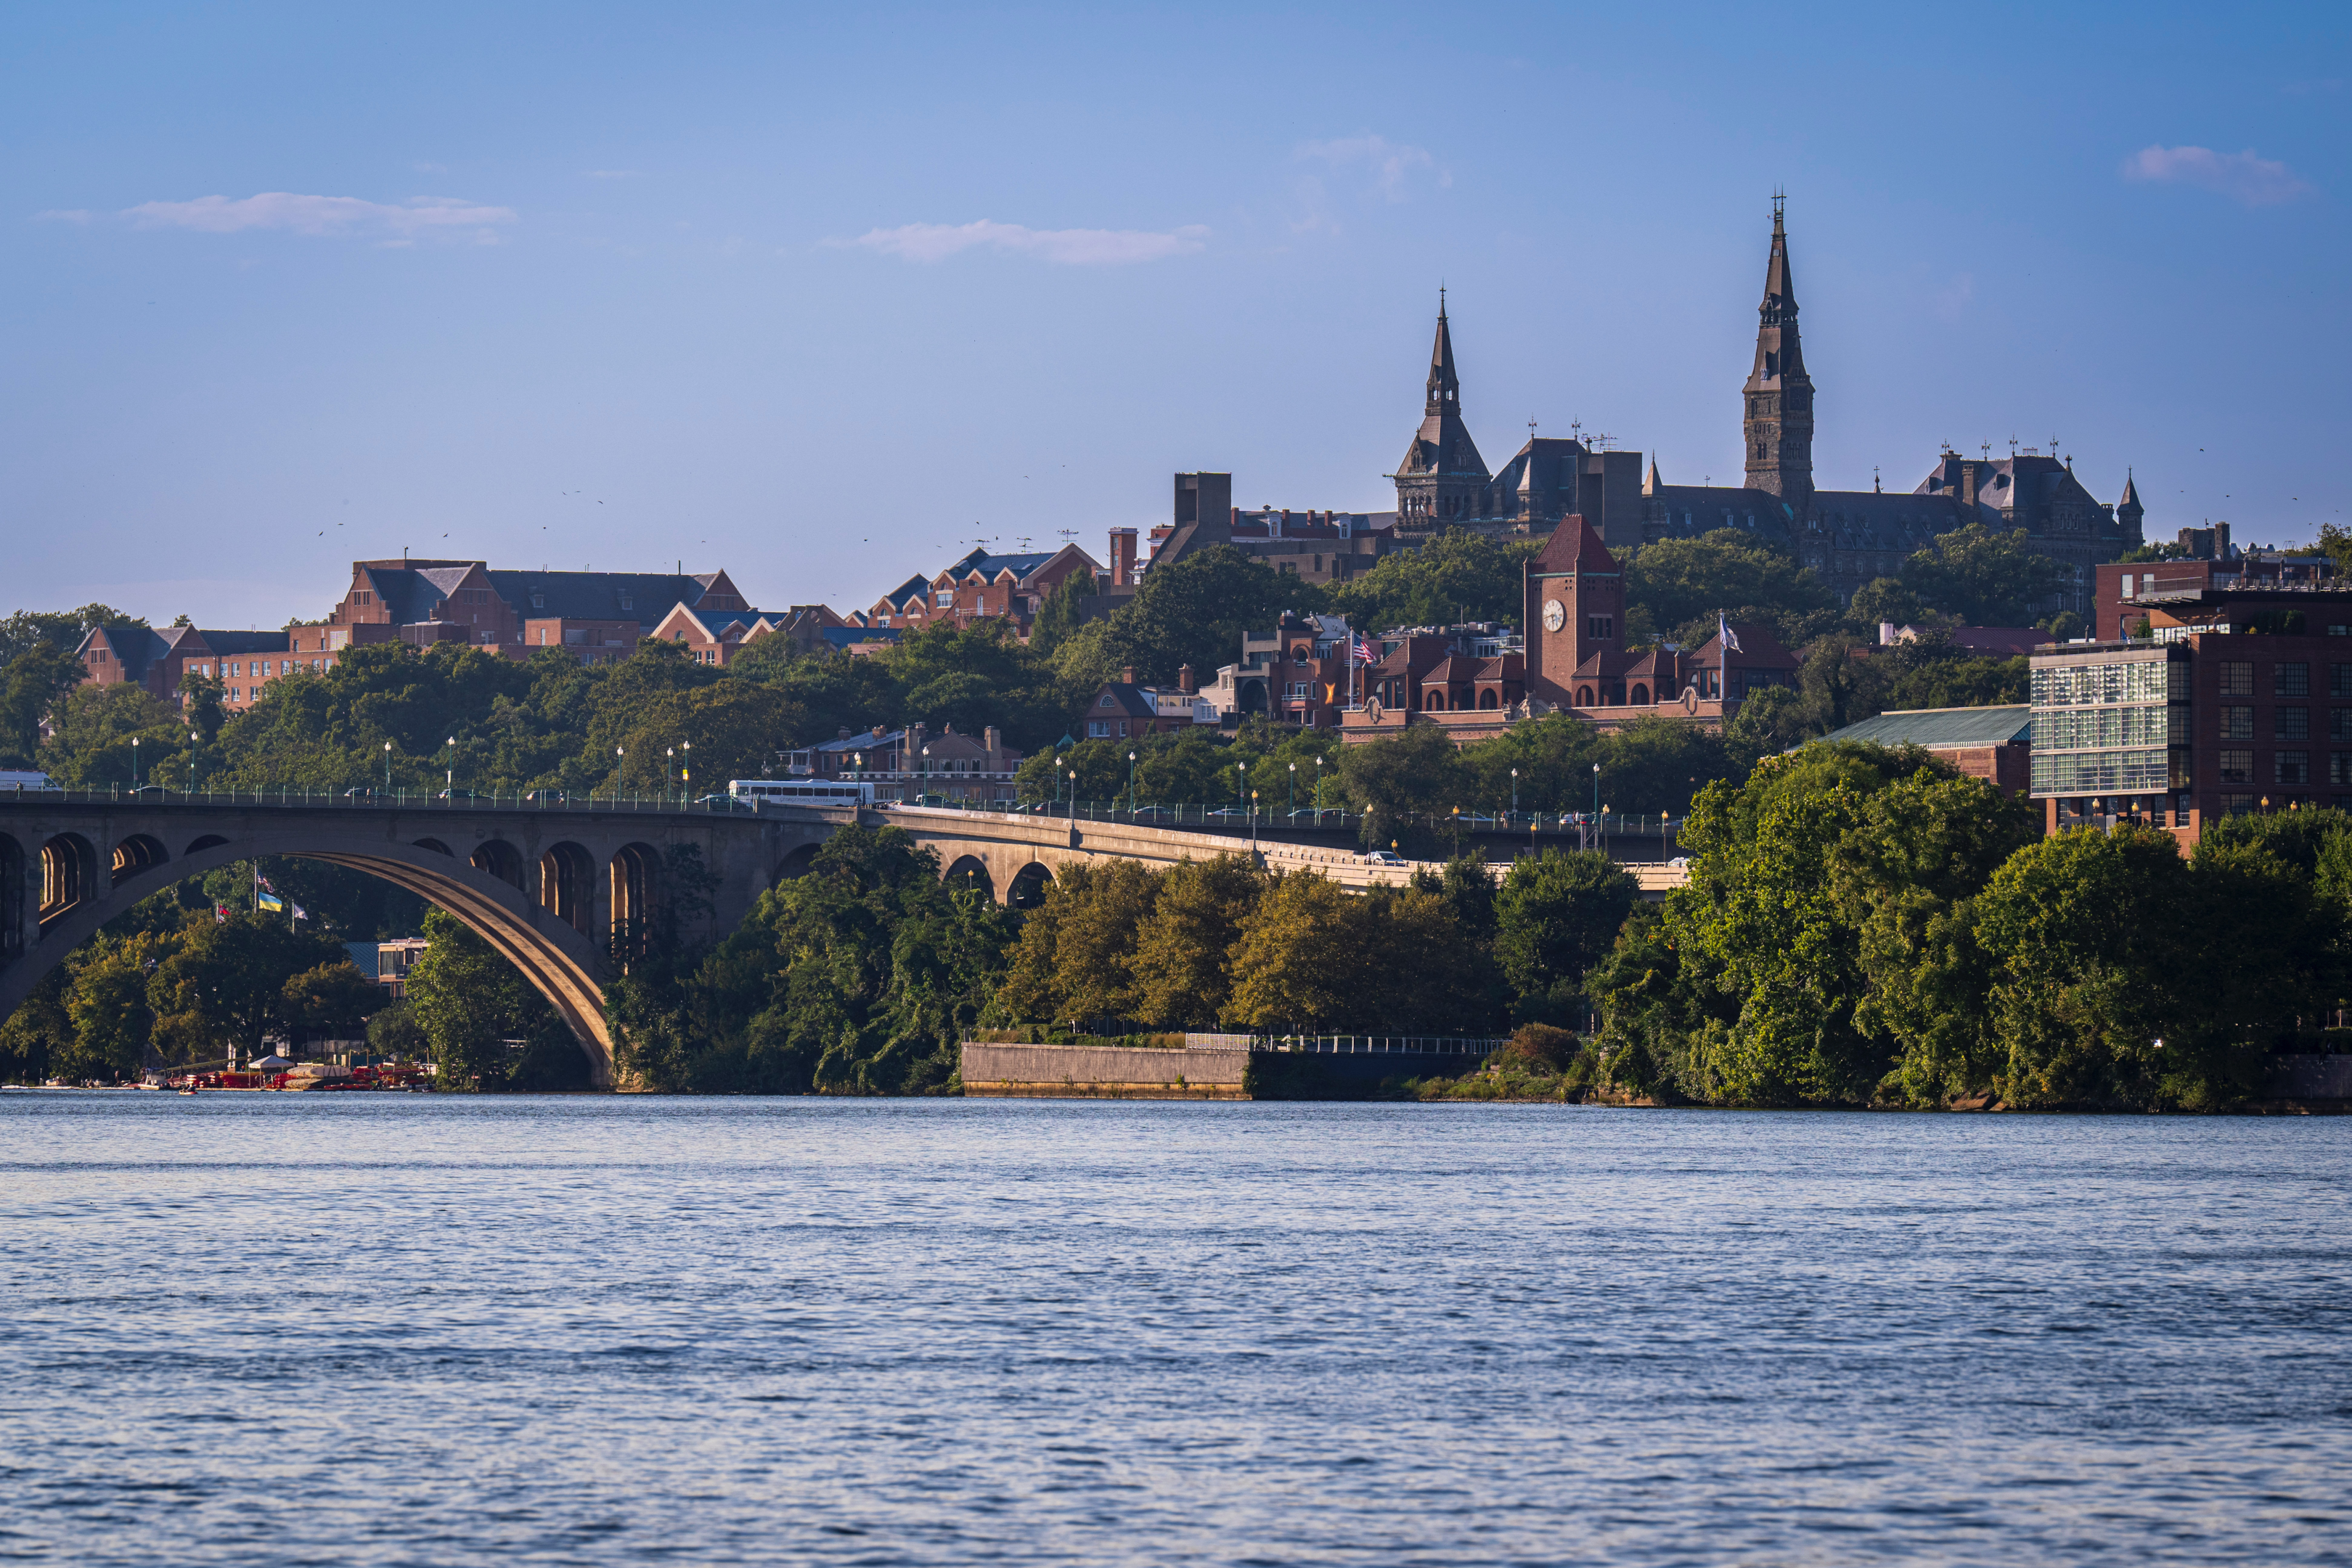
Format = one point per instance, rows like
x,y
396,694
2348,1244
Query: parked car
x,y
544,797
1380,857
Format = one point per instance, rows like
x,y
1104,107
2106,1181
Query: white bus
x,y
12,781
801,791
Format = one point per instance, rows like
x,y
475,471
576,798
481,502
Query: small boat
x,y
189,1092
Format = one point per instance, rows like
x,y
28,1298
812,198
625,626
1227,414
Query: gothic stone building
x,y
1848,537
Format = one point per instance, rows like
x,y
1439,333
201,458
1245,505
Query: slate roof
x,y
1944,728
593,595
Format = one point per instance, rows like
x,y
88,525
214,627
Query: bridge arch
x,y
433,844
11,898
970,874
633,874
566,883
501,859
1028,888
553,954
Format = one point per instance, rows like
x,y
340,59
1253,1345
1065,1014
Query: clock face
x,y
1555,615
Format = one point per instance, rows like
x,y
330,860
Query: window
x,y
2293,768
1097,728
2238,767
946,598
2237,804
2128,584
2340,723
1105,701
2339,768
1599,626
2292,724
2339,680
2339,632
2291,680
2237,678
539,601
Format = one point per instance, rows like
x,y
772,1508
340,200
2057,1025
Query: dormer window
x,y
539,601
627,603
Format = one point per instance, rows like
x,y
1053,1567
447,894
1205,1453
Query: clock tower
x,y
1574,608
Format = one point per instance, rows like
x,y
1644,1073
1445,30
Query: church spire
x,y
1444,388
1651,486
1779,395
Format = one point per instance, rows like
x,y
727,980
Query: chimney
x,y
994,740
1886,634
1122,558
1127,675
1185,681
845,733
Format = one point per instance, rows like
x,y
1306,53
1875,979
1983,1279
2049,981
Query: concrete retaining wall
x,y
1126,1073
2312,1078
1102,1072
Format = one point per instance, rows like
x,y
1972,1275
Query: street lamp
x,y
686,772
194,738
134,765
1130,784
1074,795
1253,820
1294,793
450,782
1514,795
671,755
618,767
1319,791
387,767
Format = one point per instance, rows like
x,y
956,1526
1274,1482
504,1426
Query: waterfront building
x,y
2239,699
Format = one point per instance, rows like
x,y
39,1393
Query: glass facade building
x,y
2111,721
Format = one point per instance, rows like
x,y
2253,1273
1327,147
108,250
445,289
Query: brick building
x,y
597,616
2123,586
982,586
1848,537
1124,710
2240,700
1315,546
160,658
1993,743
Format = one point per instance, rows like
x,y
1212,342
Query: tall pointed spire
x,y
1445,387
1443,479
1779,395
2128,511
1652,485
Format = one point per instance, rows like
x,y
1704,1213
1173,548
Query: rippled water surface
x,y
365,1329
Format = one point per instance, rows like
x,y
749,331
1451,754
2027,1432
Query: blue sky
x,y
824,296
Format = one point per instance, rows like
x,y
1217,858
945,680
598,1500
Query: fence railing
x,y
1278,820
1383,1045
379,800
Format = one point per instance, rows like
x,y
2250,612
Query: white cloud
x,y
319,215
2243,176
1067,246
1392,165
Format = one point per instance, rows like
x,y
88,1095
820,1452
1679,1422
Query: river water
x,y
377,1329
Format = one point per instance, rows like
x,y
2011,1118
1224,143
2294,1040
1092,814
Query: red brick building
x,y
982,586
597,616
161,658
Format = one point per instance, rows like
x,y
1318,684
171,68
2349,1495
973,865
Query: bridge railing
x,y
1384,1044
378,800
1546,826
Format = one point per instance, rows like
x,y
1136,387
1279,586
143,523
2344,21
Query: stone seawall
x,y
1102,1072
1127,1072
2312,1078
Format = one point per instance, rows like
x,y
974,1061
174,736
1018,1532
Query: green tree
x,y
107,1001
222,986
1983,576
1883,599
331,999
861,977
59,631
469,1000
394,1032
1065,609
1181,978
1403,783
1194,612
33,683
1680,585
1300,960
1456,576
1557,915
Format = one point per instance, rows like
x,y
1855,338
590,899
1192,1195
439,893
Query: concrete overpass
x,y
560,889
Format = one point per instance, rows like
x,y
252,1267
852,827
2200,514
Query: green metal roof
x,y
1941,728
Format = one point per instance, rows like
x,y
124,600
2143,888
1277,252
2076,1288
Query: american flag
x,y
1364,654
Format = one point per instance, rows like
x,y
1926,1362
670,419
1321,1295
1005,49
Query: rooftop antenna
x,y
1531,428
2012,445
1986,448
1779,196
1875,488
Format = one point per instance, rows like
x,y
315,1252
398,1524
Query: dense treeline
x,y
1860,927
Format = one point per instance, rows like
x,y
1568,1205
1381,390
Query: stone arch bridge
x,y
548,887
